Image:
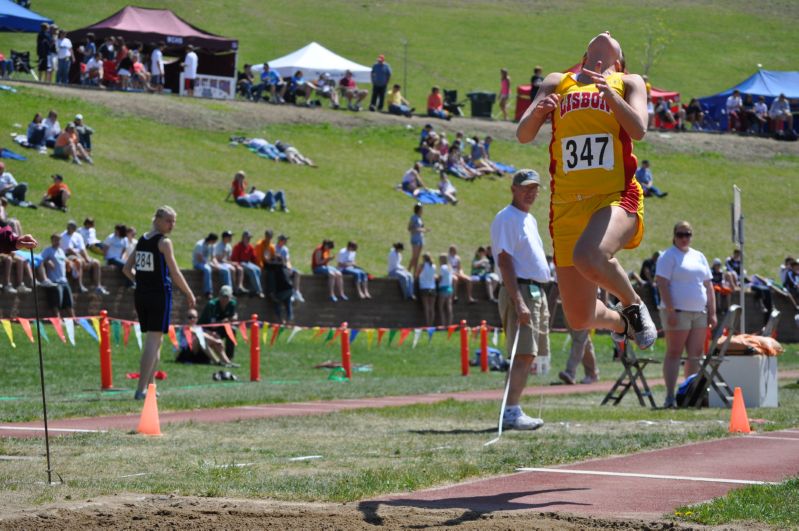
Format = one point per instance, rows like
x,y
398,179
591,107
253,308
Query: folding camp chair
x,y
631,376
709,369
22,63
451,103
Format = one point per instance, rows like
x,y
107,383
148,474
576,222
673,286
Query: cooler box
x,y
523,100
755,375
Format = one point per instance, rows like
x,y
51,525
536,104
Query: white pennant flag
x,y
137,331
294,332
199,335
495,337
416,335
69,326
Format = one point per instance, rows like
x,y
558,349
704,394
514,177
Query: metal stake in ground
x,y
41,377
507,387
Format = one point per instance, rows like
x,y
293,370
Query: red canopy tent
x,y
217,54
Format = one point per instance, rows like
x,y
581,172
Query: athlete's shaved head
x,y
603,48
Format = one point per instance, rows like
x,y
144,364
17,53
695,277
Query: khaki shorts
x,y
533,338
685,320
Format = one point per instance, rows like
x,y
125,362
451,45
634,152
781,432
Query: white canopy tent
x,y
313,60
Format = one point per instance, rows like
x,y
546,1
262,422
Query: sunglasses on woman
x,y
683,234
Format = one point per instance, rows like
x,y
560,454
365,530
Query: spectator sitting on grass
x,y
397,104
282,251
244,255
57,194
51,128
90,237
84,133
292,154
54,261
67,146
346,264
350,92
255,198
480,160
412,180
203,260
13,191
208,350
644,177
446,188
36,133
222,309
457,166
320,265
435,105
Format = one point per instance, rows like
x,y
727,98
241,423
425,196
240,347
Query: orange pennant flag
x,y
172,337
275,332
244,331
26,325
403,334
380,333
319,332
58,328
230,334
126,326
450,330
188,335
336,334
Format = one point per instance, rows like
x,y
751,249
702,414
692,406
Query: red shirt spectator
x,y
243,252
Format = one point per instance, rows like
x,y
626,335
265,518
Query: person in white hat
x,y
84,133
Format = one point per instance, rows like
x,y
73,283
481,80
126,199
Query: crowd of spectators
x,y
453,159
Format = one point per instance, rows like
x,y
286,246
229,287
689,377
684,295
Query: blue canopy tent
x,y
767,83
14,17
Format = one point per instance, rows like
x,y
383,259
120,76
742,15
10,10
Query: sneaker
x,y
566,378
46,283
83,289
589,380
101,290
343,297
371,108
521,422
670,403
285,210
76,161
299,297
141,396
333,298
644,331
9,289
22,288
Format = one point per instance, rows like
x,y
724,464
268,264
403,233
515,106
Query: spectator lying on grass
x,y
255,198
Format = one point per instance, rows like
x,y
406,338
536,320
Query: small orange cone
x,y
739,421
149,423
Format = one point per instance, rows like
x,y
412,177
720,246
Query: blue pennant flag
x,y
353,334
430,334
89,328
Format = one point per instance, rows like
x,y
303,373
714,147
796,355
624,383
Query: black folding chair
x,y
709,369
632,376
451,103
22,63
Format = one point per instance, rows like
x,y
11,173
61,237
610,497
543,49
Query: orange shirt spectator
x,y
56,188
65,138
435,102
265,249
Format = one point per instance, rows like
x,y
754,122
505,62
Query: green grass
x,y
364,453
463,44
774,505
73,374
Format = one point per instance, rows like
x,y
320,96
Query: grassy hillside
x,y
141,163
708,46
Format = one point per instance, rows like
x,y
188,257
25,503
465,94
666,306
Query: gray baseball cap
x,y
526,177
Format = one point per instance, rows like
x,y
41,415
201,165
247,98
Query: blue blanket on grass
x,y
427,197
8,154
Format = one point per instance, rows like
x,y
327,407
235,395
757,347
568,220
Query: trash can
x,y
481,103
523,100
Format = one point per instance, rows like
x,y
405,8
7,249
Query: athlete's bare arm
x,y
127,270
629,111
544,103
165,246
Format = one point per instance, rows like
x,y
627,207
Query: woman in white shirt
x,y
395,270
427,288
688,305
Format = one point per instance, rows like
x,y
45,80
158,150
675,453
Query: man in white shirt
x,y
780,113
190,63
734,106
761,114
346,264
519,254
94,70
157,67
74,248
65,57
11,189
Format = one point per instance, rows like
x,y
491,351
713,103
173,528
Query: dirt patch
x,y
236,116
128,511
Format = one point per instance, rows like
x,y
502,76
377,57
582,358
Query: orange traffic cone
x,y
739,421
149,423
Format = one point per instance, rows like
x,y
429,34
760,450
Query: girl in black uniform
x,y
155,270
